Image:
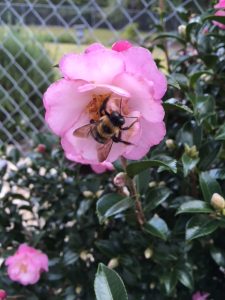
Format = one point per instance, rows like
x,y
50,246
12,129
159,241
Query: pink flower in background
x,y
125,79
200,296
26,265
102,167
3,295
220,13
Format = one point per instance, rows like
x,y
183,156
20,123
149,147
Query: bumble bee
x,y
106,130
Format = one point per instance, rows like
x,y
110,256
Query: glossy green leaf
x,y
209,186
189,163
220,135
157,227
139,166
208,152
194,77
169,281
173,103
169,36
195,206
185,276
112,204
108,285
200,226
218,256
173,82
220,19
155,197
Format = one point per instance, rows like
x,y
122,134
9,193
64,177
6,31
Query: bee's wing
x,y
103,150
83,131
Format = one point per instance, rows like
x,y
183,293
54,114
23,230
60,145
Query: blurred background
x,y
35,34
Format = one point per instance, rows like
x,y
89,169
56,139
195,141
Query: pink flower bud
x,y
41,148
3,295
120,179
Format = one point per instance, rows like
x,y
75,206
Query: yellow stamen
x,y
94,106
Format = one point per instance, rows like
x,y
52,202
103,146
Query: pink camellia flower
x,y
220,13
102,167
26,265
200,296
100,82
3,295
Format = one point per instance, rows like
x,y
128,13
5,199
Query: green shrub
x,y
26,71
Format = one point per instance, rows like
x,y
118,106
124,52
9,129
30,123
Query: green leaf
x,y
138,167
194,77
170,36
185,277
208,152
155,197
217,173
218,256
169,281
188,163
108,285
200,226
173,82
190,134
220,19
112,204
194,206
173,103
204,106
220,134
157,227
209,186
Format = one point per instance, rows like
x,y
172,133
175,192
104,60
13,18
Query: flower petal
x,y
139,61
103,89
141,98
121,45
99,66
102,167
64,104
94,47
151,134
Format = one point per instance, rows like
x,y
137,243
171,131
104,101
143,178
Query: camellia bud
x,y
191,151
88,194
152,184
41,148
218,201
3,295
120,179
182,30
148,253
78,289
113,263
170,144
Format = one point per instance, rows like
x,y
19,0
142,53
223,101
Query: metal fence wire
x,y
35,34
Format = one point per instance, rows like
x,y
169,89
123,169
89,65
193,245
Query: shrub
x,y
180,247
25,73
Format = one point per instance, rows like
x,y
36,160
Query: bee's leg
x,y
128,127
117,139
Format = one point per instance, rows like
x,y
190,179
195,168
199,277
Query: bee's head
x,y
116,119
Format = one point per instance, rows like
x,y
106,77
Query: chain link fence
x,y
35,34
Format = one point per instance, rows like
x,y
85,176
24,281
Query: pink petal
x,y
103,89
151,134
141,98
102,167
99,66
64,104
139,61
121,45
94,47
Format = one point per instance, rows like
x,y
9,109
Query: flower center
x,y
94,106
23,268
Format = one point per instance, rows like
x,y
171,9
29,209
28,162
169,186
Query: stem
x,y
133,192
